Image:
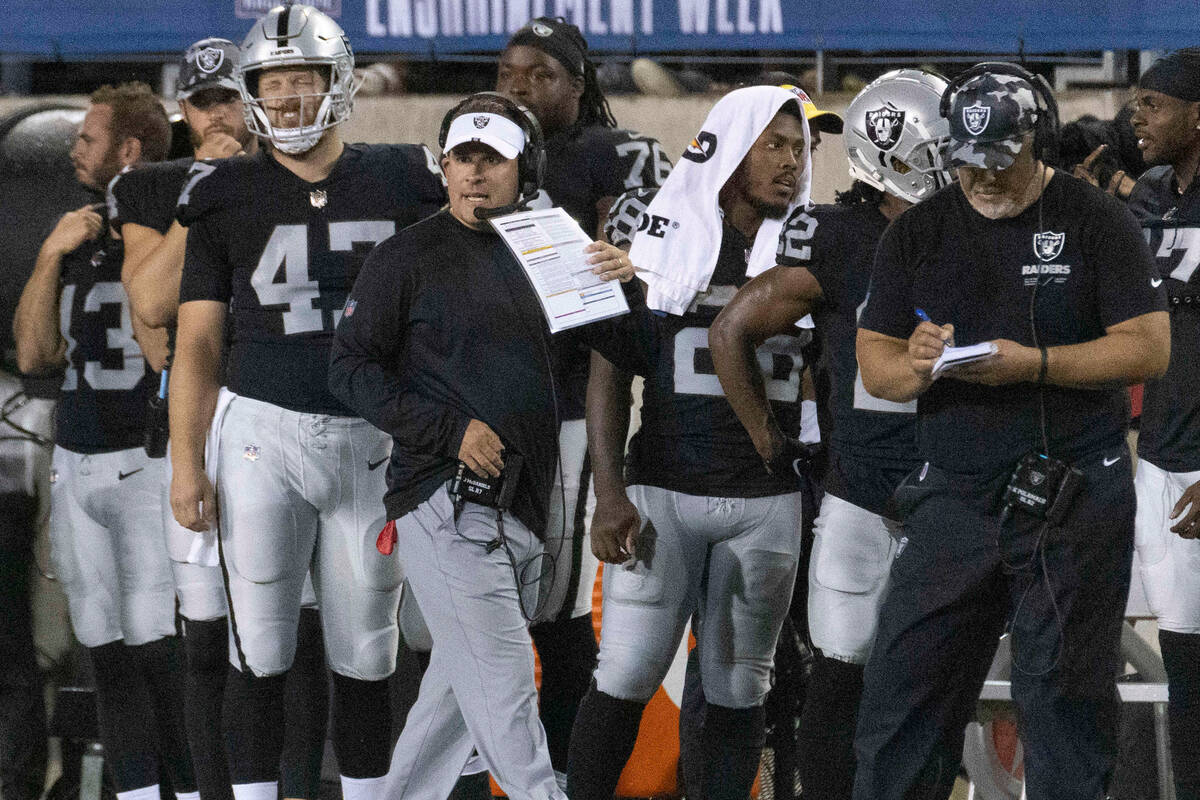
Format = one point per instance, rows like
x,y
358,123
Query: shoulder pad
x,y
213,185
626,215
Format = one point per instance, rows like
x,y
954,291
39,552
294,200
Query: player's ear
x,y
577,86
130,151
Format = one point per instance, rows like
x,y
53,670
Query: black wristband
x,y
1041,381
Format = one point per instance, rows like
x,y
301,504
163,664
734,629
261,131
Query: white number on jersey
x,y
689,342
199,171
643,151
864,400
1187,240
286,254
799,229
95,374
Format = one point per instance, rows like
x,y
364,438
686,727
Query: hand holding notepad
x,y
957,356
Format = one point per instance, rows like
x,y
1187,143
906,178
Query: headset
x,y
1045,137
531,162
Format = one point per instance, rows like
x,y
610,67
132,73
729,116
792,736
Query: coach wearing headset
x,y
443,345
1021,518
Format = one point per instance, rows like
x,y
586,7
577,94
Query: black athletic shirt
x,y
148,195
873,442
284,253
442,327
102,407
584,164
1169,436
690,440
977,273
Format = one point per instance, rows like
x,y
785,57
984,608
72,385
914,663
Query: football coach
x,y
1021,518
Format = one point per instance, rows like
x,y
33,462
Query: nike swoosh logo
x,y
375,465
123,475
1108,462
1156,282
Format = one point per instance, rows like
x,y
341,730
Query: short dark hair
x,y
137,114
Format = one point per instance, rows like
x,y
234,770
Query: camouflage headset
x,y
531,162
1046,125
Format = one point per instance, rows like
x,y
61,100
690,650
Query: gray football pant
x,y
848,578
297,493
107,546
732,562
478,692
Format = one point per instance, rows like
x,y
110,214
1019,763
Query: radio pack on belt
x,y
466,486
1042,487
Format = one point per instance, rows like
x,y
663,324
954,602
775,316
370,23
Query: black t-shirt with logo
x,y
1083,252
690,440
102,407
284,253
873,442
1169,436
583,165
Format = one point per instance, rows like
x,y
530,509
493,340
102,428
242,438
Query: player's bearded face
x,y
1165,126
769,175
541,83
478,177
291,96
95,155
215,110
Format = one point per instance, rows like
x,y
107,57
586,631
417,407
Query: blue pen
x,y
921,315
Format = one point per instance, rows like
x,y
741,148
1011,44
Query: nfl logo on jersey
x,y
350,306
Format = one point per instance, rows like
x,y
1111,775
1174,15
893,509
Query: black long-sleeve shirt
x,y
442,327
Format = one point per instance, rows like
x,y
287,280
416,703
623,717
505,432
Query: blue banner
x,y
93,28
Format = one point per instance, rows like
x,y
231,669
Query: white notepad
x,y
549,245
957,356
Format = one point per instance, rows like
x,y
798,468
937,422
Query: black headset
x,y
1045,130
531,162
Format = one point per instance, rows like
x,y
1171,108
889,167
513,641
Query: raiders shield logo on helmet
x,y
480,121
1047,244
975,118
884,126
209,59
542,29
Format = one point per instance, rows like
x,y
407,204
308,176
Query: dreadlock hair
x,y
858,193
593,105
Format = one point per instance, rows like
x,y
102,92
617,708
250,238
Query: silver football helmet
x,y
895,137
297,36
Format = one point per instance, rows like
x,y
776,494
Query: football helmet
x,y
896,139
297,36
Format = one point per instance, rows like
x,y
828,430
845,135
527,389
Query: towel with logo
x,y
678,265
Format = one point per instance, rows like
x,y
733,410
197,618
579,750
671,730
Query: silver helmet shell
x,y
297,36
895,137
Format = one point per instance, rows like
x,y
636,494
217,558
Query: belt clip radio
x,y
467,486
1042,487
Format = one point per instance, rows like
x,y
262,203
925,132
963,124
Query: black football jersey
x,y
584,164
147,195
1169,436
103,403
837,245
283,253
690,440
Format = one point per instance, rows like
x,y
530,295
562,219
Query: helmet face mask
x,y
301,38
895,138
